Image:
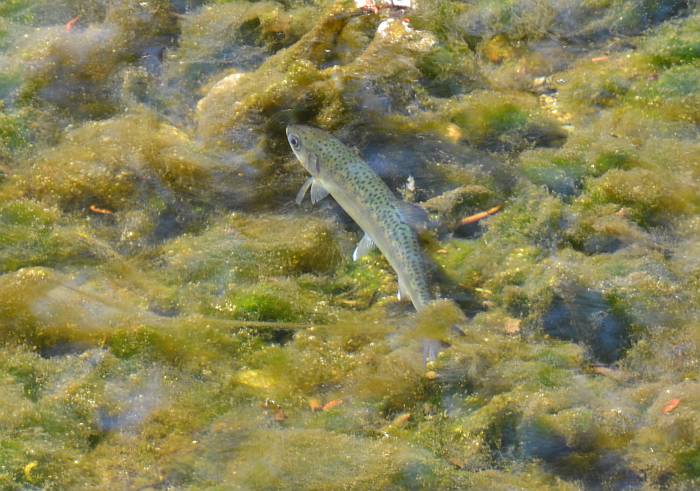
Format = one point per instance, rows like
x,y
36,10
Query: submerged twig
x,y
480,216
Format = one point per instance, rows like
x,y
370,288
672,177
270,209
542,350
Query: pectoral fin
x,y
318,192
363,248
303,190
414,215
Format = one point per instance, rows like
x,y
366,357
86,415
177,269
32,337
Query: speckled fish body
x,y
337,170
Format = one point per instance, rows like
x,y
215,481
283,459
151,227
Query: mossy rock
x,y
14,134
675,43
237,35
645,197
560,173
250,247
43,13
128,163
586,20
35,235
503,121
78,71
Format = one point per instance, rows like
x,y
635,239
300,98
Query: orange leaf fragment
x,y
599,59
100,211
71,23
331,404
670,406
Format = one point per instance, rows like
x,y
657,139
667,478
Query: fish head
x,y
311,146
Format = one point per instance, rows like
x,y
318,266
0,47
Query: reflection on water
x,y
170,319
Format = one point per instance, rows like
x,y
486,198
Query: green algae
x,y
14,135
234,36
168,320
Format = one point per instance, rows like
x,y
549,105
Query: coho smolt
x,y
390,224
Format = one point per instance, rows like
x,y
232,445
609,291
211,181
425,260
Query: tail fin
x,y
435,323
431,348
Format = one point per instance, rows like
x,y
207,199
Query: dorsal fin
x,y
414,215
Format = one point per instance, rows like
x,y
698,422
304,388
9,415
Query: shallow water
x,y
170,319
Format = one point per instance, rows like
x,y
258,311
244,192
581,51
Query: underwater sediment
x,y
170,319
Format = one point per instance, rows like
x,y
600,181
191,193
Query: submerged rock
x,y
581,315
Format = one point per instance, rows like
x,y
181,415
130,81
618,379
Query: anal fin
x,y
402,294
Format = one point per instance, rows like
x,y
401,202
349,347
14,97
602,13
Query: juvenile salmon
x,y
389,224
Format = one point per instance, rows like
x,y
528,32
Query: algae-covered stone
x,y
294,84
278,82
522,19
38,304
251,247
127,163
379,463
52,12
79,69
644,196
271,301
34,234
561,174
14,136
460,202
671,429
449,69
504,121
237,35
586,316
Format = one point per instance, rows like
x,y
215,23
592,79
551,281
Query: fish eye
x,y
294,141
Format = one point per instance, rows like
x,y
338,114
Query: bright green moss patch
x,y
272,301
